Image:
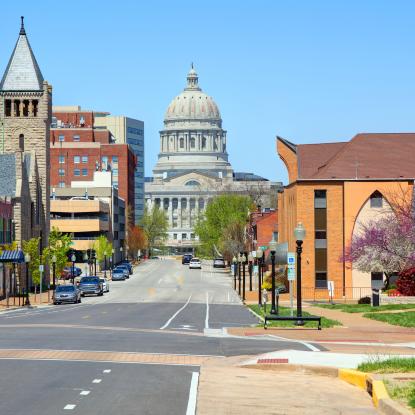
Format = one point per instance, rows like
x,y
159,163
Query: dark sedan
x,y
91,285
66,294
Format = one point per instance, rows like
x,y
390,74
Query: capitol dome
x,y
193,104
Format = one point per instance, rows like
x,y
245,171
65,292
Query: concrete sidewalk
x,y
225,388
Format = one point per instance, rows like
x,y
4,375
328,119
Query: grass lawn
x,y
404,319
365,308
404,393
392,365
285,311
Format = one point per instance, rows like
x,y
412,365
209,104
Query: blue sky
x,y
309,71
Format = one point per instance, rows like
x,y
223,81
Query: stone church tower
x,y
25,112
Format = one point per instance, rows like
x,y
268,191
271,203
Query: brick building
x,y
263,227
333,189
78,149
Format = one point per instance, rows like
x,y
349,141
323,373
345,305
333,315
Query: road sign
x,y
291,266
41,268
291,273
255,269
290,258
264,248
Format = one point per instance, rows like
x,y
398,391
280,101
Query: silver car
x,y
66,294
105,285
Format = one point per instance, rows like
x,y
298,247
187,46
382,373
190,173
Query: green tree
x,y
154,224
31,247
222,226
102,247
59,246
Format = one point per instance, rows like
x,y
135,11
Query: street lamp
x,y
112,255
27,260
259,254
239,273
73,259
250,260
299,234
121,253
243,276
105,265
54,271
111,266
234,261
273,247
86,259
94,262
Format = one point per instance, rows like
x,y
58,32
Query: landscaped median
x,y
285,311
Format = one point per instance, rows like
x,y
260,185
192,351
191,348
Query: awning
x,y
15,256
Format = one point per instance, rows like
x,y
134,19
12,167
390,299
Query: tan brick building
x,y
333,188
25,111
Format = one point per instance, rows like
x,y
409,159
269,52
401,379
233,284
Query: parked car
x,y
67,272
219,263
125,268
195,263
105,285
186,258
128,265
155,257
118,275
90,285
66,294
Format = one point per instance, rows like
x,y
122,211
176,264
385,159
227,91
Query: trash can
x,y
375,298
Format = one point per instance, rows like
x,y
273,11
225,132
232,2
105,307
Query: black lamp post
x,y
259,254
112,256
121,254
299,234
54,271
250,262
273,248
239,274
94,262
243,276
27,260
105,265
111,266
234,262
73,259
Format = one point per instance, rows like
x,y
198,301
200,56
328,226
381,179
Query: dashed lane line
x,y
85,393
97,381
69,407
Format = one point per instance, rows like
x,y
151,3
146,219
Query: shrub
x,y
364,300
406,282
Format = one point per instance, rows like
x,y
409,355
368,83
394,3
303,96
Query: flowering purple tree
x,y
385,245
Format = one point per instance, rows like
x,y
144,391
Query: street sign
x,y
291,273
290,258
291,266
41,268
264,248
253,253
255,269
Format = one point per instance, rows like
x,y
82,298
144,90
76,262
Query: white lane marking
x,y
304,343
85,393
43,311
207,311
310,346
97,381
176,313
69,407
159,281
191,403
106,371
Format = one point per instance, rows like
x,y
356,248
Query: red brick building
x,y
264,226
77,149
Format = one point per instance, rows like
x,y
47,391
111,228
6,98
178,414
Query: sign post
x,y
330,287
41,269
291,277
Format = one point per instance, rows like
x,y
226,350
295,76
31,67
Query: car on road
x,y
130,267
155,257
186,259
125,269
195,263
90,285
66,294
105,285
118,275
67,272
219,263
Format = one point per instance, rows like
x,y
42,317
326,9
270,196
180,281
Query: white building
x,y
193,165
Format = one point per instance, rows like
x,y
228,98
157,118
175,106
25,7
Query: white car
x,y
105,285
195,263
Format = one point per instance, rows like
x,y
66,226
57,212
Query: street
x,y
134,350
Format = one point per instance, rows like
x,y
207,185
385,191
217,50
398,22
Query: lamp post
x,y
86,259
105,265
27,260
73,259
243,276
111,266
273,248
54,271
299,234
250,260
259,254
112,256
234,262
94,262
239,273
121,253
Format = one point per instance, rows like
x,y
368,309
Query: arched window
x,y
376,200
21,142
192,183
181,142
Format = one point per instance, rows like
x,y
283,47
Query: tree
x,y
102,248
59,246
155,225
136,240
31,247
406,282
222,227
385,245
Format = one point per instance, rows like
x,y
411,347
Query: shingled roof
x,y
374,155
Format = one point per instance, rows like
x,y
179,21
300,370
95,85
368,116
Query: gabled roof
x,y
22,72
366,156
289,144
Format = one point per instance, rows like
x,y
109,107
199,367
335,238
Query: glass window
x,y
175,236
61,159
115,172
376,200
321,279
115,159
320,199
184,236
76,137
61,172
84,159
77,172
192,236
84,172
61,137
76,159
61,184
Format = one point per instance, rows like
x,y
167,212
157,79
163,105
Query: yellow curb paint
x,y
378,391
353,377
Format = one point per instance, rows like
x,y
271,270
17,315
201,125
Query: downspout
x,y
344,241
2,123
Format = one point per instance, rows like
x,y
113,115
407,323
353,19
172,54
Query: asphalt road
x,y
164,311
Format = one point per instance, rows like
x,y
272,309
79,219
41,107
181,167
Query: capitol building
x,y
193,166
